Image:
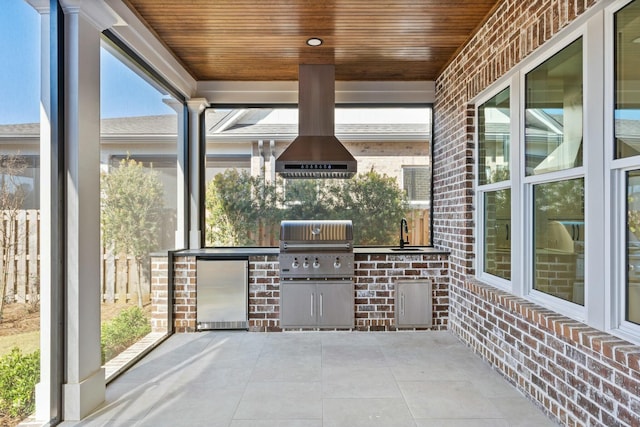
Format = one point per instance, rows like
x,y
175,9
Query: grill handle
x,y
310,247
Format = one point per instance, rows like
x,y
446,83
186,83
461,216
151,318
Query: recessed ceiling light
x,y
314,41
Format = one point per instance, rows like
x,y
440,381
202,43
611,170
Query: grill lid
x,y
316,234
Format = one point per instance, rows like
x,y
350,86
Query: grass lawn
x,y
28,342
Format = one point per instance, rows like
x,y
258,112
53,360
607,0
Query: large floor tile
x,y
313,379
446,399
366,413
487,422
354,382
276,423
280,400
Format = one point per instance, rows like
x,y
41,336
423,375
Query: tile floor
x,y
314,379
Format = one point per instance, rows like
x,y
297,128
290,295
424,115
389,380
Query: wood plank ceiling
x,y
266,39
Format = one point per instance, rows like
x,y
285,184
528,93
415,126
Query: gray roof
x,y
167,125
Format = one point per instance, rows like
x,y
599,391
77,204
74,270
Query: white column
x,y
84,385
196,107
181,234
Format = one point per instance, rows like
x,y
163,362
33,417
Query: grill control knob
x,y
295,263
337,264
316,264
305,264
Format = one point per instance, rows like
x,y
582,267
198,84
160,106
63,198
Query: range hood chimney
x,y
316,152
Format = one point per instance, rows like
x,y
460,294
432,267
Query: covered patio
x,y
314,379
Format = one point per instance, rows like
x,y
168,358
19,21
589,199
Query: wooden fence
x,y
419,225
20,267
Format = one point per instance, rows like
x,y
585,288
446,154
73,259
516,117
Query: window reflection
x,y
632,311
497,233
559,239
138,185
494,130
627,76
553,116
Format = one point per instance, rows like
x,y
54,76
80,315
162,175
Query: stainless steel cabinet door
x,y
335,305
298,305
414,303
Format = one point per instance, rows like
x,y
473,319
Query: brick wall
x,y
376,276
159,294
580,375
184,294
264,293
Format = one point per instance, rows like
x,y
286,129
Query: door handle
x,y
321,306
311,305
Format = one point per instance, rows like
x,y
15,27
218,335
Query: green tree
x,y
237,206
369,200
132,212
311,198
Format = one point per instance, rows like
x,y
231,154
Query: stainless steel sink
x,y
406,249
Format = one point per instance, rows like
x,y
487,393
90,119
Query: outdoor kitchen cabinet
x,y
316,305
414,303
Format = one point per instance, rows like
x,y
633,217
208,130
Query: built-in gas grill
x,y
316,250
316,274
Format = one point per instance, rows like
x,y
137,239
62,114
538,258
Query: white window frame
x,y
615,196
590,26
591,312
481,190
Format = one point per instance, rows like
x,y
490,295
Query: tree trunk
x,y
3,286
3,291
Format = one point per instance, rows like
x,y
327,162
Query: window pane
x,y
559,239
494,130
138,161
627,81
416,181
497,233
246,200
553,115
632,312
20,223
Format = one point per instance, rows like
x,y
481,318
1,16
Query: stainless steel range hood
x,y
316,152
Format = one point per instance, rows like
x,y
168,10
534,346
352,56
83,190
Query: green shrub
x,y
19,374
122,331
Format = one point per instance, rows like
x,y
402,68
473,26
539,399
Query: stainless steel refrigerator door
x,y
222,294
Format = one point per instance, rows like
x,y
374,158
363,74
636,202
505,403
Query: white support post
x,y
181,220
196,107
84,384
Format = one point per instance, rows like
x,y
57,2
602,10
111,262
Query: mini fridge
x,y
222,294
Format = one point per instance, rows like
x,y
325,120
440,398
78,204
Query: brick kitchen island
x,y
377,270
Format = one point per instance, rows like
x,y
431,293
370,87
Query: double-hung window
x,y
558,179
494,192
554,180
626,163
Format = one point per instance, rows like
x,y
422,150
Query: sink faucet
x,y
404,229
